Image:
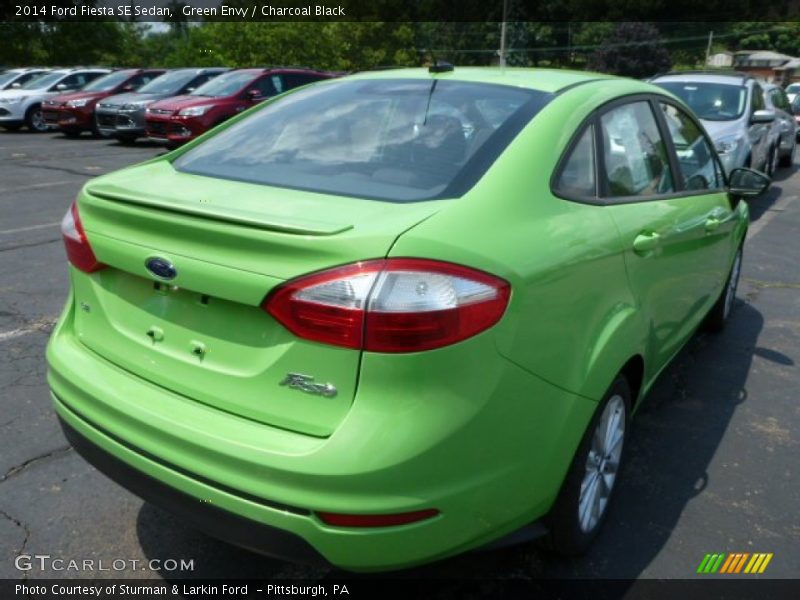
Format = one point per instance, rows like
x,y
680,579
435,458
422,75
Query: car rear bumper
x,y
221,524
380,460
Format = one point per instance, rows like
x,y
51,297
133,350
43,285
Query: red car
x,y
180,119
73,113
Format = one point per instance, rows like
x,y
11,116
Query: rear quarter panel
x,y
572,319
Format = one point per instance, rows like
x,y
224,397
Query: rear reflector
x,y
343,520
79,252
392,305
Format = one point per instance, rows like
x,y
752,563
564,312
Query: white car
x,y
14,78
792,90
23,105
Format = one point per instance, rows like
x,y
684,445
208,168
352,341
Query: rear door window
x,y
635,159
264,86
294,80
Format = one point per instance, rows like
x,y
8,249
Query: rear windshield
x,y
168,83
710,101
226,84
384,139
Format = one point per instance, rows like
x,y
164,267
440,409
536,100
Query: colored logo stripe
x,y
734,563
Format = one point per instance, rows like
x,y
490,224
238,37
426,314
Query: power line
x,y
573,47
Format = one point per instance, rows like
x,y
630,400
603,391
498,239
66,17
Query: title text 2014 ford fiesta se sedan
x,y
385,319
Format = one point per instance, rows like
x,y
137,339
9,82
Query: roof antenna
x,y
441,66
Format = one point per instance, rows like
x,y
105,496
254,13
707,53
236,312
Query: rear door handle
x,y
712,224
646,242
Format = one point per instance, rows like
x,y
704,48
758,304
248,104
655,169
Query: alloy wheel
x,y
602,464
37,121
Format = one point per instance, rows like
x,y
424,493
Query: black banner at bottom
x,y
387,587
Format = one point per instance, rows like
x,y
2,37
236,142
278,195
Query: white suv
x,y
23,105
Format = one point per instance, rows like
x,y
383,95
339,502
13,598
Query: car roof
x,y
732,77
544,80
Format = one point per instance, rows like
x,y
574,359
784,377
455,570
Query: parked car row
x,y
171,106
751,123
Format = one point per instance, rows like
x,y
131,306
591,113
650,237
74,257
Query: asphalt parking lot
x,y
713,457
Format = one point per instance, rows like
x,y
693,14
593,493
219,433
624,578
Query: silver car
x,y
732,108
784,128
122,116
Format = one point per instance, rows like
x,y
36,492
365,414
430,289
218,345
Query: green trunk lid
x,y
203,334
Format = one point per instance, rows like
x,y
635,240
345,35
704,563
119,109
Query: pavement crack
x,y
757,283
29,245
15,470
22,526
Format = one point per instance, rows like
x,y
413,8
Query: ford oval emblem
x,y
161,267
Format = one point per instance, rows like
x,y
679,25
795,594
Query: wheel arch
x,y
619,348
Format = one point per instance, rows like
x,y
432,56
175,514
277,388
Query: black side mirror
x,y
745,182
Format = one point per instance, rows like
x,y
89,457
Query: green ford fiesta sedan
x,y
388,318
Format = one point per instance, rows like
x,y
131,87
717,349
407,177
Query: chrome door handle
x,y
646,242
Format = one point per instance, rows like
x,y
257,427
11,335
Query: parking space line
x,y
34,186
768,215
40,325
29,228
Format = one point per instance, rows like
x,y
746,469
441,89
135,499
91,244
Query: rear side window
x,y
695,153
577,178
635,157
397,140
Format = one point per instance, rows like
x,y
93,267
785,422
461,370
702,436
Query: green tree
x,y
632,50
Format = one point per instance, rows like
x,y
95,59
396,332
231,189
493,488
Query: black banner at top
x,y
399,10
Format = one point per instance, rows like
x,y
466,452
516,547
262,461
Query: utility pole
x,y
502,52
708,49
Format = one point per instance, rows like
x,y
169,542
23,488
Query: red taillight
x,y
349,520
79,252
393,305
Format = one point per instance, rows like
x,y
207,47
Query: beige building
x,y
773,67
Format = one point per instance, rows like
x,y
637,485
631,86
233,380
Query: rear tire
x,y
788,159
582,504
772,162
721,311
